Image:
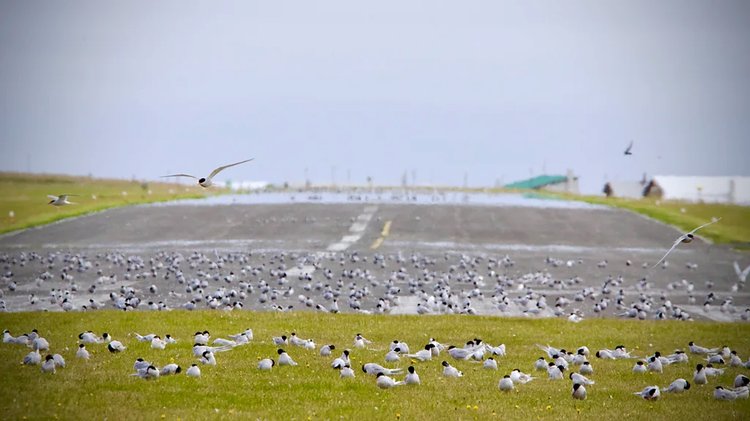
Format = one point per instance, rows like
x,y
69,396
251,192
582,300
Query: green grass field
x,y
103,388
734,228
25,195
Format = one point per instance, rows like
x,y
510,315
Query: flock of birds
x,y
555,364
339,282
346,281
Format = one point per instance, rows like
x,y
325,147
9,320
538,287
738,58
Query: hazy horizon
x,y
498,91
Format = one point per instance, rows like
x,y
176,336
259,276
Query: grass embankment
x,y
103,388
734,228
25,195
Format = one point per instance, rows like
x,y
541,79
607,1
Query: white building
x,y
246,185
626,189
723,189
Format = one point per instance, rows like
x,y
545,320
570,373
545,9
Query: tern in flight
x,y
684,238
630,146
207,182
60,200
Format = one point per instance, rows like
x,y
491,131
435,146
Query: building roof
x,y
537,182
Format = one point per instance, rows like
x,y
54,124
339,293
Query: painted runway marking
x,y
357,228
384,233
386,229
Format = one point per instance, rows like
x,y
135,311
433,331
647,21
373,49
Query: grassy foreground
x,y
103,388
25,195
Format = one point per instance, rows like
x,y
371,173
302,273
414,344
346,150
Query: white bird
x,y
649,393
49,365
551,351
7,337
296,340
285,359
586,369
170,369
540,364
555,372
620,352
247,333
412,377
696,349
460,353
116,346
578,378
712,372
699,376
207,181
59,360
342,361
677,357
266,364
82,352
640,367
741,274
145,338
575,318
325,350
741,380
423,354
193,371
579,392
373,369
506,384
229,342
360,341
346,372
490,364
450,371
724,394
201,338
89,338
385,382
148,373
605,354
520,377
392,356
684,238
32,358
402,346
279,340
678,386
158,343
208,358
655,365
40,344
60,200
141,364
198,350
742,392
735,360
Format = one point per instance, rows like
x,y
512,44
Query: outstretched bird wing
x,y
218,170
676,242
705,225
179,175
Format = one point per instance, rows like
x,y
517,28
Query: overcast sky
x,y
496,89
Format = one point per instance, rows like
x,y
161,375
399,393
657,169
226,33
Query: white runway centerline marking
x,y
358,228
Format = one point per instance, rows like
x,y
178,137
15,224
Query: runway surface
x,y
462,251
